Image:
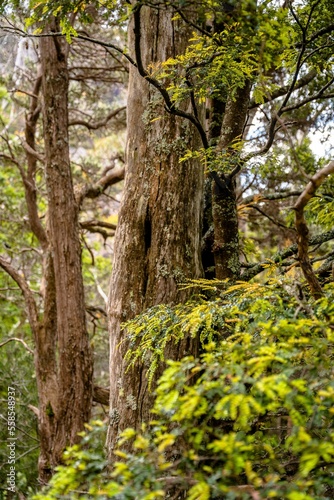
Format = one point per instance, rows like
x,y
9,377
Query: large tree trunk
x,y
65,403
157,244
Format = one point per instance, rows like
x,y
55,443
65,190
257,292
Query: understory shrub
x,y
251,418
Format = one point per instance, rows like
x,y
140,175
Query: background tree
x,y
63,360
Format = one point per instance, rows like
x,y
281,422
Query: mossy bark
x,y
157,243
224,209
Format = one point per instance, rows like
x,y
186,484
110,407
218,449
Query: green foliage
x,y
321,208
20,376
217,161
214,65
42,10
247,45
252,417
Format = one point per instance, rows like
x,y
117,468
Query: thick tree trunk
x,y
157,244
65,401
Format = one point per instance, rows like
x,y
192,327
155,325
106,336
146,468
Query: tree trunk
x,y
157,243
65,409
224,210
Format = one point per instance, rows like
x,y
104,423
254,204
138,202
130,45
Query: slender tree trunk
x,y
157,244
65,401
224,210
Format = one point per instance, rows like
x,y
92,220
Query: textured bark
x,y
224,209
158,235
47,374
65,390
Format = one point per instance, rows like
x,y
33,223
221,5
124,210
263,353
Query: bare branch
x,y
319,95
29,177
96,125
17,31
313,185
111,178
100,395
27,294
270,196
103,232
302,82
34,410
318,34
97,223
32,151
262,212
18,340
198,28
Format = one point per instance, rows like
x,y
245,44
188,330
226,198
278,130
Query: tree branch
x,y
100,395
302,82
17,340
32,151
29,177
269,196
97,223
319,95
95,190
262,212
96,125
284,254
317,34
302,228
27,294
105,234
17,31
291,88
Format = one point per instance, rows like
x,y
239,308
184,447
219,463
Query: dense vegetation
x,y
252,417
